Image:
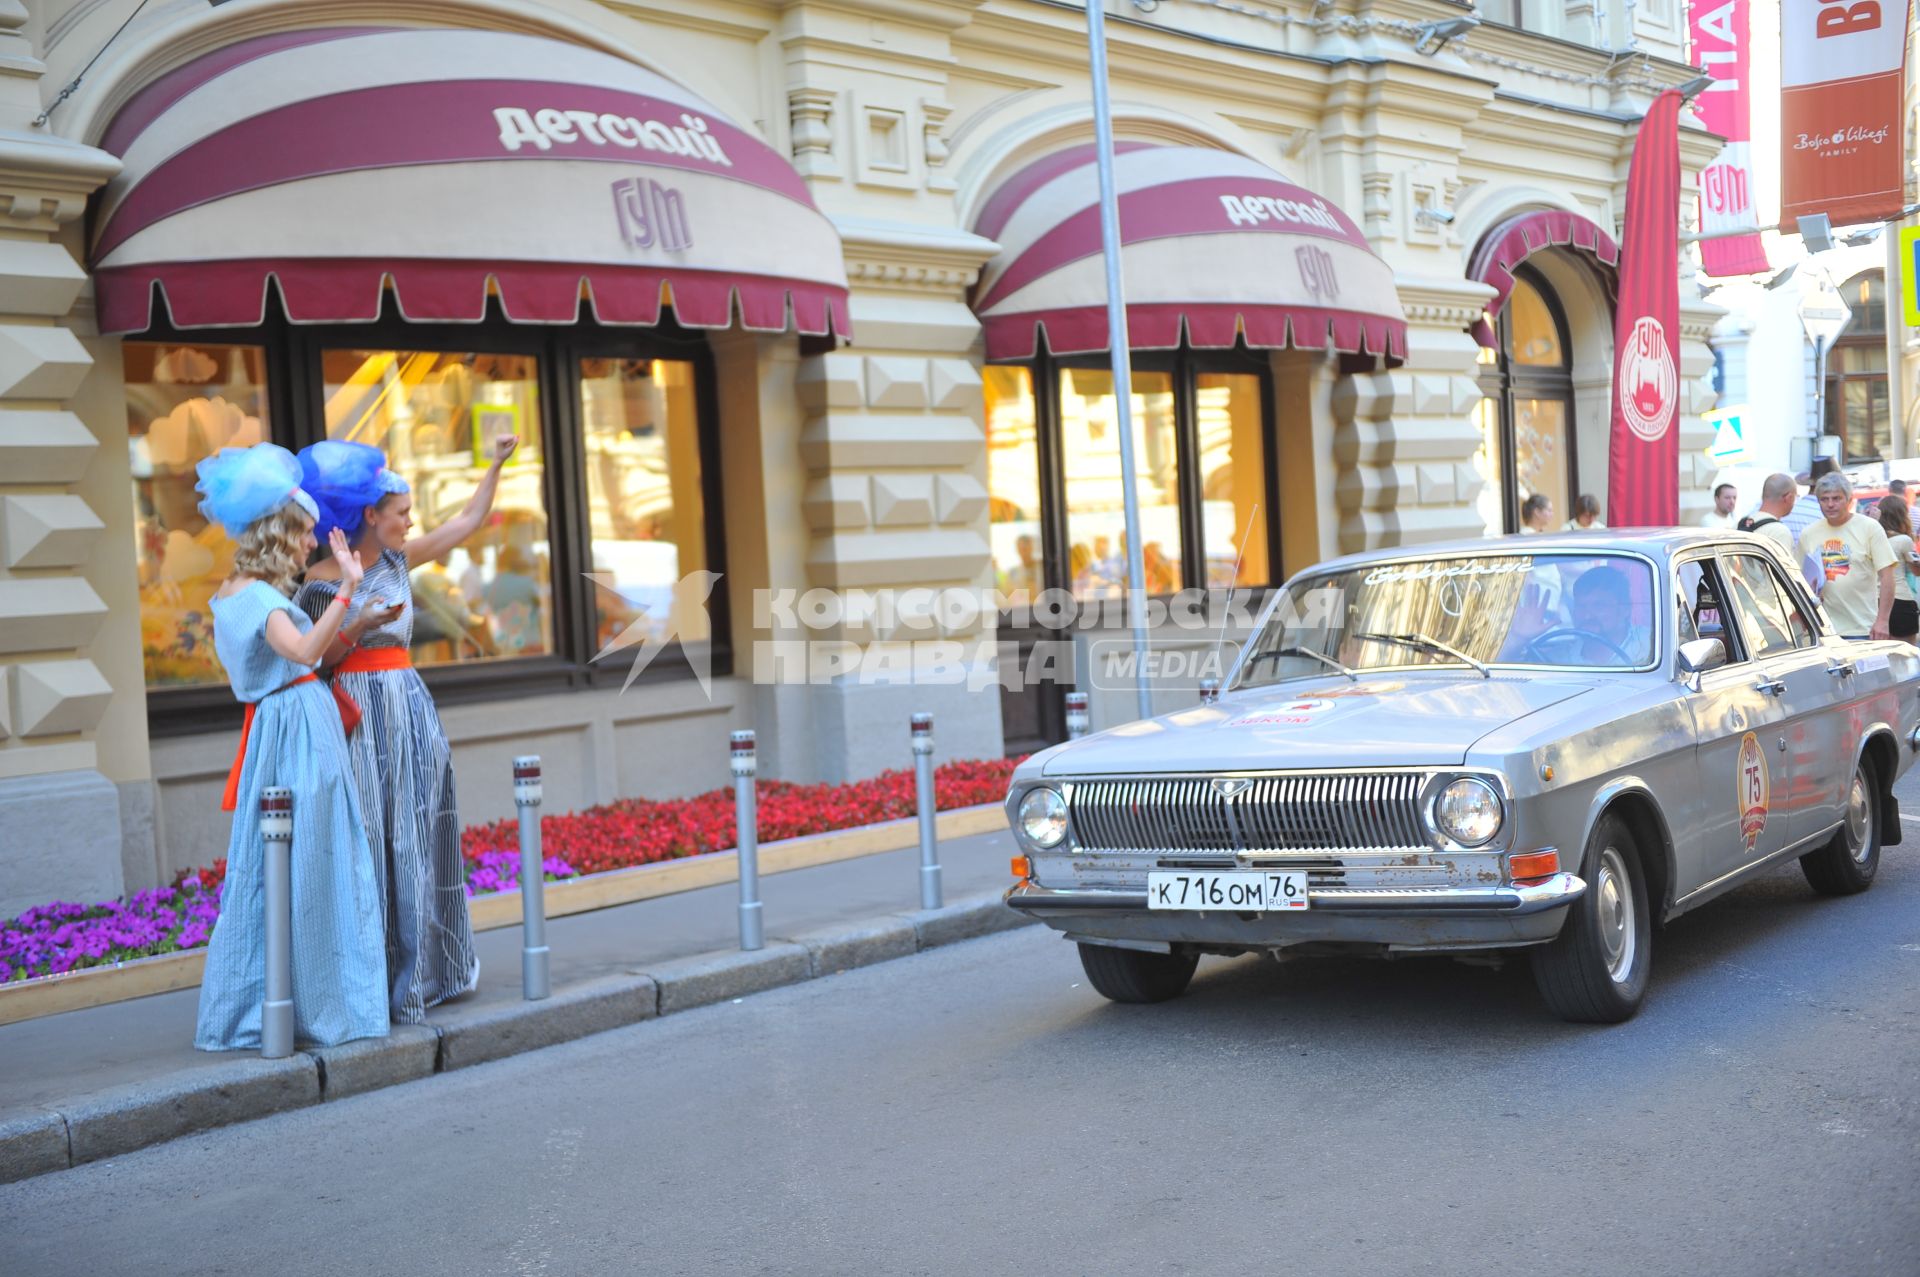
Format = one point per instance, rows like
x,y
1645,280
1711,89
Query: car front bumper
x,y
1406,919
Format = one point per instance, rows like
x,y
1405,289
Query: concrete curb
x,y
108,1123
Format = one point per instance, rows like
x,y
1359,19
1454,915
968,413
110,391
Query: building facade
x,y
739,274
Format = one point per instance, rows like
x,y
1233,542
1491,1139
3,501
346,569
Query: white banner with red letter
x,y
1720,45
1841,150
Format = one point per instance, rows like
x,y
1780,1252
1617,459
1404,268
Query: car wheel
x,y
1847,864
1595,970
1128,975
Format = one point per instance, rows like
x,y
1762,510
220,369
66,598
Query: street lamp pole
x,y
1117,347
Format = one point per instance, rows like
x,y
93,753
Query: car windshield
x,y
1580,611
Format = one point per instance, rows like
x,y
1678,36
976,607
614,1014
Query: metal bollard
x,y
536,981
276,1014
746,814
923,800
1209,691
1076,715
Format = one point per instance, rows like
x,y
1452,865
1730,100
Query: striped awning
x,y
1215,247
1520,237
448,165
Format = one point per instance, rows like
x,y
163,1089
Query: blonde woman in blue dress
x,y
402,762
292,738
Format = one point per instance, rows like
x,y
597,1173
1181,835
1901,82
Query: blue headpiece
x,y
241,486
346,478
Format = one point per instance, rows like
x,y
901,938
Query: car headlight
x,y
1043,817
1468,811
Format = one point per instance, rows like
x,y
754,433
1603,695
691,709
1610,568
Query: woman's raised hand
x,y
350,569
503,447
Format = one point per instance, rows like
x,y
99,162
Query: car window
x,y
1704,612
1799,621
1757,602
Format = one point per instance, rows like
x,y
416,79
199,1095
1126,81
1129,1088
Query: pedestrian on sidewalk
x,y
1851,555
291,738
1904,621
402,763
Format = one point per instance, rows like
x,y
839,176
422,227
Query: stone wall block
x,y
44,447
837,501
841,442
894,382
1428,439
48,614
38,278
41,362
1467,482
897,558
1372,396
1358,443
829,381
1375,487
46,531
958,498
1362,530
1423,525
55,697
1435,483
902,500
1432,395
1465,396
955,383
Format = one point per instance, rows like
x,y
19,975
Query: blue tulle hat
x,y
346,478
241,486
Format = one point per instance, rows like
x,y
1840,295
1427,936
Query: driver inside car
x,y
1613,629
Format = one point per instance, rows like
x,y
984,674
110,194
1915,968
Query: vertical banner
x,y
1643,449
1719,29
1841,151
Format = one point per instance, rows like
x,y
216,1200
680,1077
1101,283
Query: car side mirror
x,y
1699,656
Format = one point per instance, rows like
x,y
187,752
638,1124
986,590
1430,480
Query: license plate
x,y
1242,892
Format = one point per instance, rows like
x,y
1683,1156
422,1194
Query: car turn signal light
x,y
1533,867
1021,868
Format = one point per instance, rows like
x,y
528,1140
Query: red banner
x,y
1841,151
1719,29
1643,450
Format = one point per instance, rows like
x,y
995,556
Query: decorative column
x,y
61,816
1404,438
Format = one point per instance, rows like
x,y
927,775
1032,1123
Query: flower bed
x,y
60,937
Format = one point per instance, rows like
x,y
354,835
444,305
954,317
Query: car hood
x,y
1420,721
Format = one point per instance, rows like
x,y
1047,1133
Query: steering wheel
x,y
1559,632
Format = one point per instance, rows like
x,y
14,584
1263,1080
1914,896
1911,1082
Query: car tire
x,y
1128,975
1595,971
1847,864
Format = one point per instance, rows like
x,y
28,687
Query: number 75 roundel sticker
x,y
1751,777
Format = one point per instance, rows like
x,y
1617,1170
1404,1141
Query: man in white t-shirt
x,y
1854,559
1724,498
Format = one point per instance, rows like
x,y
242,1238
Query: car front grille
x,y
1334,812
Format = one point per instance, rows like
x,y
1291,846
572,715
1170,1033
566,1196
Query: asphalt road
x,y
977,1109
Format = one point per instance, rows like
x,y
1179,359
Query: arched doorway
x,y
1528,441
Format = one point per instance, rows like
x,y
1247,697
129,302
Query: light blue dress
x,y
339,953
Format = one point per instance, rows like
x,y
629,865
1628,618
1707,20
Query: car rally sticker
x,y
1300,711
1751,778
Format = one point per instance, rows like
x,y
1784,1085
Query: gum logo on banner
x,y
1841,152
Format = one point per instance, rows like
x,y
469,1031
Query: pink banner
x,y
1719,31
1643,450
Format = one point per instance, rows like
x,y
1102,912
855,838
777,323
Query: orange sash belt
x,y
367,660
231,798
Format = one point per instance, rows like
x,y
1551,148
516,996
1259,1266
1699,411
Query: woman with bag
x,y
1904,621
291,738
402,763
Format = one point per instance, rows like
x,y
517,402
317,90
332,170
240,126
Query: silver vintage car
x,y
1554,744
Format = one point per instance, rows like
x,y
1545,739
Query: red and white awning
x,y
1215,246
336,161
1520,237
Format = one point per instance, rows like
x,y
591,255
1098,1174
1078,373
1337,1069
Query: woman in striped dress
x,y
292,739
402,763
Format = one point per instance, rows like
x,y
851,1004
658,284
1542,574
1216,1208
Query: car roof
x,y
1656,543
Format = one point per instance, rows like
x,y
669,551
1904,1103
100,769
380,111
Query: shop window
x,y
1095,496
1856,392
645,505
1489,459
185,401
1526,420
1233,470
436,414
1013,480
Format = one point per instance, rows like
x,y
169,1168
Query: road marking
x,y
1914,819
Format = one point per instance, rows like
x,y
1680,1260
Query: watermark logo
x,y
688,599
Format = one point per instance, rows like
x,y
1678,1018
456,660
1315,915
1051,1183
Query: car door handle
x,y
1771,686
1841,669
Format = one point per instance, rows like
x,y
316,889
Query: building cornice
x,y
911,257
45,180
1441,303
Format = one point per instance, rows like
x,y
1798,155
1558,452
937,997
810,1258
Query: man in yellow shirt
x,y
1853,559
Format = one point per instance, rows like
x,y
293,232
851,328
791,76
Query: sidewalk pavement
x,y
95,1083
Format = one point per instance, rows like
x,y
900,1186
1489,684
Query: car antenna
x,y
1232,581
